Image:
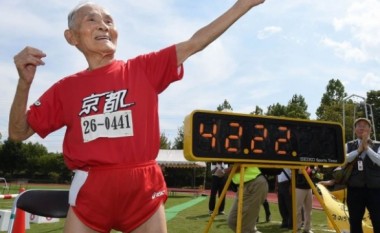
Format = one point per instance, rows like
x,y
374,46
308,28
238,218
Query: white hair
x,y
72,14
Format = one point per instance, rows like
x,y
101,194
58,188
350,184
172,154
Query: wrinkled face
x,y
362,128
93,30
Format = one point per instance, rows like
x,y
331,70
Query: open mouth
x,y
103,38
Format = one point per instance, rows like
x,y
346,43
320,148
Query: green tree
x,y
34,149
45,164
331,101
178,141
51,168
258,111
13,159
331,108
164,142
32,161
276,110
33,152
65,175
224,106
297,108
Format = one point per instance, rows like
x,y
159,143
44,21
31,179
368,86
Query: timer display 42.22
x,y
232,137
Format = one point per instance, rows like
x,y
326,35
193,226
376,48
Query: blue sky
x,y
281,48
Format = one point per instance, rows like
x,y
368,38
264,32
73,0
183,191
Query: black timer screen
x,y
250,137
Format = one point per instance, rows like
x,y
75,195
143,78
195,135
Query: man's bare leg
x,y
155,224
73,224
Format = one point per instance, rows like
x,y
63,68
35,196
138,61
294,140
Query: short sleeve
x,y
45,115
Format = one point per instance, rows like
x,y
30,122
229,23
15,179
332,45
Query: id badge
x,y
360,165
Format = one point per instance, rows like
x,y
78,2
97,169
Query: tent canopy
x,y
176,159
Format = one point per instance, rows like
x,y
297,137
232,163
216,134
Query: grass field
x,y
185,217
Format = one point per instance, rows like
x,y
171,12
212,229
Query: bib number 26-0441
x,y
110,125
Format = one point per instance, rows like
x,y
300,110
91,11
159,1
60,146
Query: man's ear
x,y
70,38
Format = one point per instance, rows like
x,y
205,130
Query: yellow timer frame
x,y
247,138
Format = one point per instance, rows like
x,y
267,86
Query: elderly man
x,y
110,111
363,188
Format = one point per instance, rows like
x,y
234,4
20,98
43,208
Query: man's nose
x,y
103,26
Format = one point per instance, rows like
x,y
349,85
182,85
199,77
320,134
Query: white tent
x,y
176,159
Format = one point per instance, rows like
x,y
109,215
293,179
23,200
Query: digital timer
x,y
232,137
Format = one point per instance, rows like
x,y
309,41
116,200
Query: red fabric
x,y
131,196
140,80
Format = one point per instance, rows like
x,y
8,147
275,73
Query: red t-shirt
x,y
111,113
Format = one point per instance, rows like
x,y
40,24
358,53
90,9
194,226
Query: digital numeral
x,y
254,142
235,137
209,135
282,140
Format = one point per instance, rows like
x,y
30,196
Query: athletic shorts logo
x,y
37,103
158,194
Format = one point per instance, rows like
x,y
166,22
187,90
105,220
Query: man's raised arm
x,y
26,63
206,35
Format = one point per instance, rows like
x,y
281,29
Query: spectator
x,y
254,193
363,188
284,196
304,202
267,211
218,180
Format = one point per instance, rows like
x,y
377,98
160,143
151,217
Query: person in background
x,y
218,180
110,112
266,206
267,211
284,196
363,188
304,201
254,193
331,183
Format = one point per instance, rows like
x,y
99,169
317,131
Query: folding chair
x,y
42,202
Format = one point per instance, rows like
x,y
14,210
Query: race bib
x,y
109,125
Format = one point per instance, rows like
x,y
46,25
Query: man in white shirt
x,y
285,198
218,171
